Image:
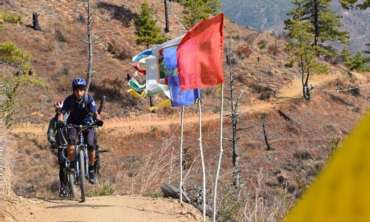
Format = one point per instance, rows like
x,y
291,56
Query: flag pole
x,y
202,160
181,150
221,153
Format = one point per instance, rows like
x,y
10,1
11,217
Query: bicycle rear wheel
x,y
82,174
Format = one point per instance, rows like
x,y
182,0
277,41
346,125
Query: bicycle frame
x,y
81,146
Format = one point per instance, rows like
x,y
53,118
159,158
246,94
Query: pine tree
x,y
214,6
351,61
196,10
146,29
326,24
303,54
367,51
355,3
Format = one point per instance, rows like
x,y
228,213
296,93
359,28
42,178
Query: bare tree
x,y
90,69
234,105
35,21
265,137
167,23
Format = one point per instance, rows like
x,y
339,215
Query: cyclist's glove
x,y
60,124
99,123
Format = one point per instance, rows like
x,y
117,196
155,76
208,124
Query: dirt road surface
x,y
99,209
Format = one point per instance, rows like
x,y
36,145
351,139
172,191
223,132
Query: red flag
x,y
200,54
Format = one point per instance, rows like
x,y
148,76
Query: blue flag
x,y
169,58
179,97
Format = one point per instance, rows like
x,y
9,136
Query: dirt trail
x,y
97,209
145,123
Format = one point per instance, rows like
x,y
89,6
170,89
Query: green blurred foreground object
x,y
341,192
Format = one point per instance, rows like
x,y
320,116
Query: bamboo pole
x,y
220,155
181,151
203,162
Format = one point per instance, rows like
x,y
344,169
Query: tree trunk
x,y
35,21
173,192
234,123
234,140
306,87
167,23
315,13
305,77
151,103
90,70
268,146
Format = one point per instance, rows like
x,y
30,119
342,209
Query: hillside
x,y
59,54
270,15
141,148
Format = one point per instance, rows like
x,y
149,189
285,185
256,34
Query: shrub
x,y
154,195
59,36
118,53
262,44
64,71
105,190
12,55
81,19
244,51
357,62
320,68
273,50
9,90
9,17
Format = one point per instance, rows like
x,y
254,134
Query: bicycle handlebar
x,y
82,127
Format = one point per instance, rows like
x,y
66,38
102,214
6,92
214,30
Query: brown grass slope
x,y
59,53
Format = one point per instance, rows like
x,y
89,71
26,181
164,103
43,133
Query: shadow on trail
x,y
147,210
78,205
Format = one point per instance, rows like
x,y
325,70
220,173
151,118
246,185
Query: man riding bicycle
x,y
82,110
56,139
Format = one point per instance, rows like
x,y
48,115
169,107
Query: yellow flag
x,y
341,193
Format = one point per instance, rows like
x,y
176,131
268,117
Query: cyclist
x,y
56,139
52,133
82,110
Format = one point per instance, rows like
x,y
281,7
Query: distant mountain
x,y
269,15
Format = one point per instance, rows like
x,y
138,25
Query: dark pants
x,y
61,140
90,140
89,137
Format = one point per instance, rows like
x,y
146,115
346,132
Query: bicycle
x,y
76,171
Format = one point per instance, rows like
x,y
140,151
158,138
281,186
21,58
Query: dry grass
x,y
139,163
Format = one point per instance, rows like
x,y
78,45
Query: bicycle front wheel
x,y
82,174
